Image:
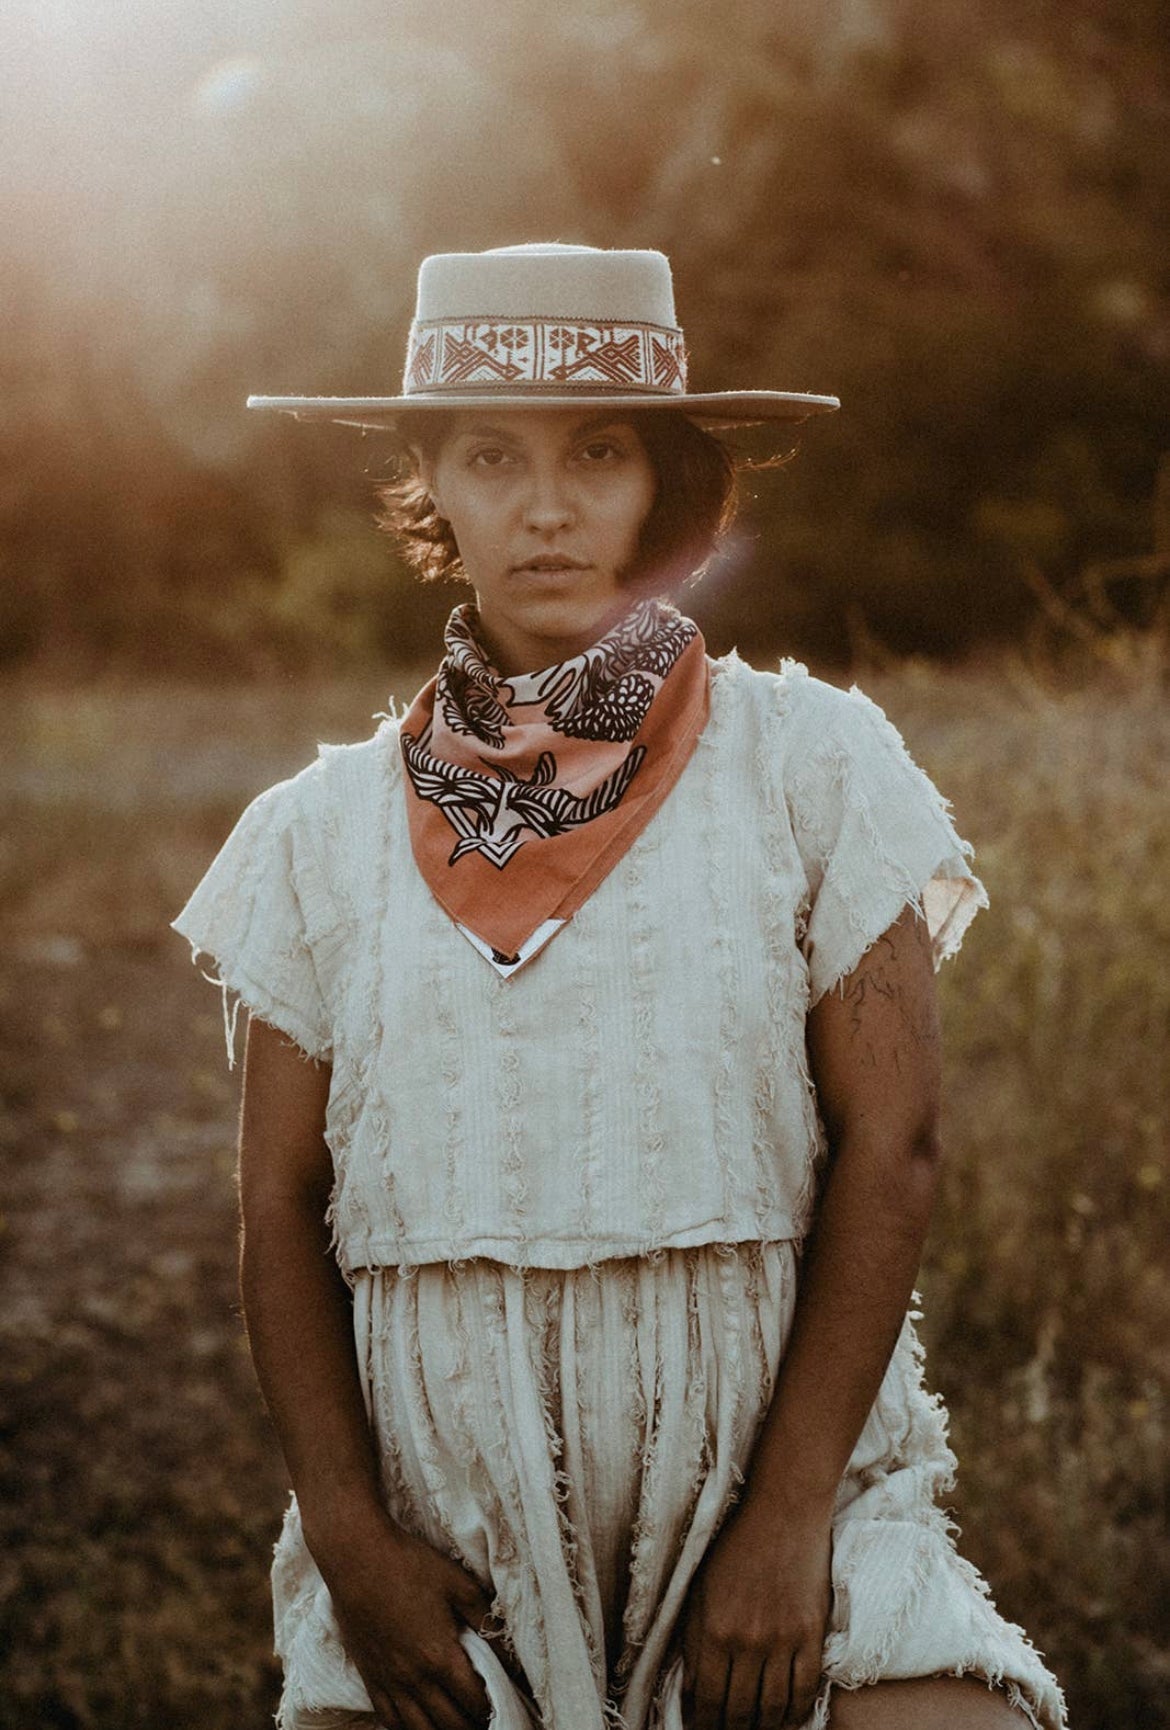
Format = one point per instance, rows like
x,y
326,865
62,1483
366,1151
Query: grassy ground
x,y
140,1490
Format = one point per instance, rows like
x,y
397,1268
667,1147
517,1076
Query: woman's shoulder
x,y
326,809
341,769
336,775
809,708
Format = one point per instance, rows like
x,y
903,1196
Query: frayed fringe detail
x,y
230,1016
392,715
232,996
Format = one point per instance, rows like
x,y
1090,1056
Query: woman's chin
x,y
554,625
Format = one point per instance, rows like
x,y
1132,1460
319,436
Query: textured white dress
x,y
570,1203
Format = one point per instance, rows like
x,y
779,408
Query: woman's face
x,y
546,506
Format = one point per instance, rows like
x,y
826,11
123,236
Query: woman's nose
x,y
548,506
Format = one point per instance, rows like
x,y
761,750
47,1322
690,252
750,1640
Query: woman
x,y
593,1029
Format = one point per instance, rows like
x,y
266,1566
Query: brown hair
x,y
693,507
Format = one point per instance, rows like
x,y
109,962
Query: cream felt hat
x,y
550,326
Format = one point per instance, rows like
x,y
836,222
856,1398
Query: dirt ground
x,y
140,1485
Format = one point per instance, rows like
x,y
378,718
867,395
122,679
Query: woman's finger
x,y
384,1709
774,1693
743,1692
462,1682
710,1691
692,1652
445,1713
468,1597
411,1715
806,1679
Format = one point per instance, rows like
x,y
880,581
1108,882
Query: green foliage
x,y
343,598
1047,1262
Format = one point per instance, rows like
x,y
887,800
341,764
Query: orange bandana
x,y
523,793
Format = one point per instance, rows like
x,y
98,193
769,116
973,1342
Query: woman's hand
x,y
401,1607
755,1620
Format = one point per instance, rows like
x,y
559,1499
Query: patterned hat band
x,y
562,355
569,327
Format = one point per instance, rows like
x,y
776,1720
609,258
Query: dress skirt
x,y
575,1439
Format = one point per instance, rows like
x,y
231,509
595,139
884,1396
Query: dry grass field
x,y
140,1490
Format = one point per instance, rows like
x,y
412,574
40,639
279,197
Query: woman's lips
x,y
551,574
550,562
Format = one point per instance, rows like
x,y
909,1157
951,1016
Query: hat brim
x,y
737,408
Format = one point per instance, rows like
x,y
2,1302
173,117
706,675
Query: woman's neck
x,y
513,651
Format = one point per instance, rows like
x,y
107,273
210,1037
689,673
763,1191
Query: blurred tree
x,y
955,216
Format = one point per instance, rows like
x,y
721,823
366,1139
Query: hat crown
x,y
545,319
547,281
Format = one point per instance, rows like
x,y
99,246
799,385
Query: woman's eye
x,y
490,457
602,450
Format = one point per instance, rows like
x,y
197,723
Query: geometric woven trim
x,y
459,355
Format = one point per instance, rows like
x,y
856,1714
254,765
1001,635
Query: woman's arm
x,y
399,1603
756,1618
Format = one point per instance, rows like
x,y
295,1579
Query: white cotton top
x,y
642,1082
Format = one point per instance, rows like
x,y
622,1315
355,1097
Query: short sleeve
x,y
874,836
264,914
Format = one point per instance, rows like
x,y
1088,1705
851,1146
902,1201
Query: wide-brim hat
x,y
548,326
